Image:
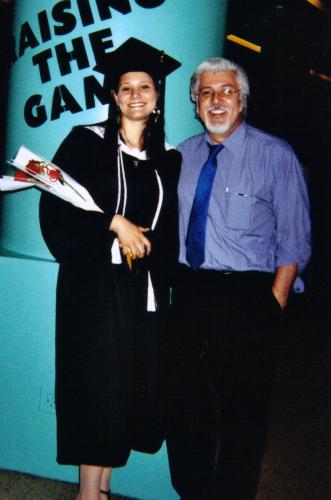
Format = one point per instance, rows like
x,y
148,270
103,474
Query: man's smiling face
x,y
221,114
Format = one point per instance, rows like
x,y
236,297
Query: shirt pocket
x,y
238,210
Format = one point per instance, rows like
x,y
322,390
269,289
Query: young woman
x,y
115,273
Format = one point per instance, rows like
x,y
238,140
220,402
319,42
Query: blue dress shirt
x,y
258,217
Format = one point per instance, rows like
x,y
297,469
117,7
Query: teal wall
x,y
188,30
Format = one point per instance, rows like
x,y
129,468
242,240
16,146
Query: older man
x,y
244,237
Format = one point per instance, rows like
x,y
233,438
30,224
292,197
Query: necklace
x,y
134,145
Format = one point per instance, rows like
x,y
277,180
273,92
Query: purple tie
x,y
196,233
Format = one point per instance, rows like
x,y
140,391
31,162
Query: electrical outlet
x,y
46,400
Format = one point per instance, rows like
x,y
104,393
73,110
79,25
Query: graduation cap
x,y
135,55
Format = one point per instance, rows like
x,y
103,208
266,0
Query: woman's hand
x,y
131,237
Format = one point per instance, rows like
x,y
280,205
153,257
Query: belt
x,y
210,276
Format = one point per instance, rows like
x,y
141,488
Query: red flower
x,y
35,167
21,176
54,174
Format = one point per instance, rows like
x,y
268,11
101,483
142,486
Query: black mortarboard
x,y
135,55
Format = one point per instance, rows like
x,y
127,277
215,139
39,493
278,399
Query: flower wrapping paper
x,y
45,175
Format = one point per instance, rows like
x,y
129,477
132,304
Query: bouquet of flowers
x,y
35,171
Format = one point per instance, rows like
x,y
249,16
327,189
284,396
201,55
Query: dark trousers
x,y
224,348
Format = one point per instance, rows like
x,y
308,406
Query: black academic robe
x,y
110,352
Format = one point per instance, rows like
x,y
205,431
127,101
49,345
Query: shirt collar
x,y
140,155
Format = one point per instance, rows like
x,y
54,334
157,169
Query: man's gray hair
x,y
214,65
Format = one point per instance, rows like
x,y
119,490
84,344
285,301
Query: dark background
x,y
6,10
290,97
289,101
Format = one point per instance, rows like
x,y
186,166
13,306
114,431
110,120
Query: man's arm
x,y
284,279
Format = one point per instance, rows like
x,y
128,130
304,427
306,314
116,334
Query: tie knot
x,y
214,149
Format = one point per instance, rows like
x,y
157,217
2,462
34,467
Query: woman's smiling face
x,y
136,95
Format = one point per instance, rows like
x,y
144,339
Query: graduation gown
x,y
110,355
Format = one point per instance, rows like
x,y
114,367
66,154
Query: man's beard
x,y
218,129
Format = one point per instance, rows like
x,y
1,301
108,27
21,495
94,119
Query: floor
x,y
297,465
297,462
16,486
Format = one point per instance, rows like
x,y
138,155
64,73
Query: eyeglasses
x,y
226,92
